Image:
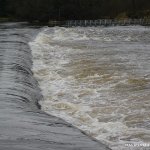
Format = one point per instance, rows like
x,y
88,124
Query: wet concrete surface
x,y
23,126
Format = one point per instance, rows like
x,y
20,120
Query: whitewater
x,y
98,79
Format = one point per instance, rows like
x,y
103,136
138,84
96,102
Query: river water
x,y
23,126
97,79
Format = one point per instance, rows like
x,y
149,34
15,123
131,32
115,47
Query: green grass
x,y
7,19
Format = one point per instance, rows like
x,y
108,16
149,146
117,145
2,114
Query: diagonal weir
x,y
23,126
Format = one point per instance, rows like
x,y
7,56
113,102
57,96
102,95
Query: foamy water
x,y
98,79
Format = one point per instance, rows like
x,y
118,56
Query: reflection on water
x,y
97,79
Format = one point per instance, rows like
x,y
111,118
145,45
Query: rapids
x,y
23,126
98,79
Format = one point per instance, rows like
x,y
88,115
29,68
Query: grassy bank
x,y
6,19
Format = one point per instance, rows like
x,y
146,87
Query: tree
x,y
44,10
3,8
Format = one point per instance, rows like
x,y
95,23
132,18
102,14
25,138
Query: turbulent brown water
x,y
23,126
98,79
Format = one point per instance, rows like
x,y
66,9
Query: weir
x,y
23,126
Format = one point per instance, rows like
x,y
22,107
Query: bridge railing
x,y
108,22
101,22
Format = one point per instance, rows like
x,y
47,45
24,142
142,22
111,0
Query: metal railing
x,y
101,22
108,22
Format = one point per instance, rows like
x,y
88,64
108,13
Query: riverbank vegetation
x,y
45,10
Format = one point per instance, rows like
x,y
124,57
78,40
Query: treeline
x,y
45,10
